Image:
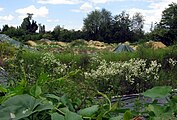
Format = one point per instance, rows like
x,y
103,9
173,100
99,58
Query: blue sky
x,y
70,13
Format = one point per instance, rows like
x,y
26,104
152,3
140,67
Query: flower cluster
x,y
172,62
127,70
53,65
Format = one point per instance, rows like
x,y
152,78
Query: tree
x,y
97,24
106,24
27,26
56,32
166,30
41,28
137,23
92,24
169,17
137,26
121,27
5,28
11,31
33,27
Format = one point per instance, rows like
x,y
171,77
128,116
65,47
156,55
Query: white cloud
x,y
6,18
53,20
149,16
86,7
103,1
59,1
40,12
1,9
97,8
154,11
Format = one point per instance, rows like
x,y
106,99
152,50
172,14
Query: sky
x,y
70,13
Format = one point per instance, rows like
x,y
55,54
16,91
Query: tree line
x,y
101,25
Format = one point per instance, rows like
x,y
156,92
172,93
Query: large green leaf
x,y
116,118
156,109
160,113
21,106
52,96
56,116
127,115
64,110
72,116
158,92
55,100
35,91
67,102
90,111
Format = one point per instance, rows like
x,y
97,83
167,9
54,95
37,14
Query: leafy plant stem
x,y
60,111
109,102
23,72
89,118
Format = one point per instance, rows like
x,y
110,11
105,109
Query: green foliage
x,y
6,50
41,29
169,18
97,23
89,112
53,107
47,36
5,28
121,28
166,30
77,43
22,106
158,112
101,25
24,32
56,33
27,26
68,86
127,115
56,116
61,80
36,91
72,116
158,92
116,118
48,88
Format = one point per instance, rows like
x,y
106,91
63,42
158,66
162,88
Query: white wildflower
x,y
12,115
24,111
172,62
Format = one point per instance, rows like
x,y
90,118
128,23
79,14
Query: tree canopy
x,y
97,25
166,29
28,26
101,25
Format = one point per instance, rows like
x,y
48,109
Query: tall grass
x,y
143,53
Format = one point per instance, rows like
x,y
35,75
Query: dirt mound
x,y
63,44
45,41
31,43
96,44
127,43
156,45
